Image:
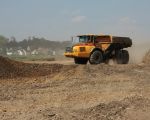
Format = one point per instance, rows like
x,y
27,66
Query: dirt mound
x,y
118,110
12,69
146,59
132,108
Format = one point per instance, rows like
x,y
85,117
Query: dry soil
x,y
30,91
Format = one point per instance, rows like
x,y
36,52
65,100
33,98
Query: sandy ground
x,y
79,92
64,62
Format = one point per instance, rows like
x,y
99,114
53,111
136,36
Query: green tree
x,y
3,41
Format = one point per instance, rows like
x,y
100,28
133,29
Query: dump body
x,y
125,42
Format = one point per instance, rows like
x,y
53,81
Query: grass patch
x,y
32,58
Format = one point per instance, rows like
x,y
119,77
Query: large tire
x,y
80,60
122,57
125,56
118,57
96,57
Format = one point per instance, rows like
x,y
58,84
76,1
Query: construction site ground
x,y
65,91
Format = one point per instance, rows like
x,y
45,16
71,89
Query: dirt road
x,y
75,92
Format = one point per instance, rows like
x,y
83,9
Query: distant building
x,y
28,48
34,52
25,53
54,53
20,52
9,53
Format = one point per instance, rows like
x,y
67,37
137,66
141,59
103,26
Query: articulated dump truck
x,y
99,49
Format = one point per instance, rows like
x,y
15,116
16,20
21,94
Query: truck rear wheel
x,y
80,60
125,56
122,57
96,57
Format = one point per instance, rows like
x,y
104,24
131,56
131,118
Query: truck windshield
x,y
81,39
75,40
84,39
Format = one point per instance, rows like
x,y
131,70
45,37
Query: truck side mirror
x,y
72,39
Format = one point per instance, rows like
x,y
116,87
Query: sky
x,y
61,19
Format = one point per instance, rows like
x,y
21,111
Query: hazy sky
x,y
60,19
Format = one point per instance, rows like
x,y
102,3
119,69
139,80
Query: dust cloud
x,y
138,51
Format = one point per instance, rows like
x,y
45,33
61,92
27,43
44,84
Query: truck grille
x,y
68,49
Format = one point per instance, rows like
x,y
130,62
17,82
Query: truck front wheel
x,y
96,57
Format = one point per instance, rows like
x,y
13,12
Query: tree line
x,y
32,42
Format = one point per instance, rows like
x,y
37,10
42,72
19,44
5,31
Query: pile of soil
x,y
132,108
118,110
12,69
147,58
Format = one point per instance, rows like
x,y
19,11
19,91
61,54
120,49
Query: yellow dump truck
x,y
99,49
